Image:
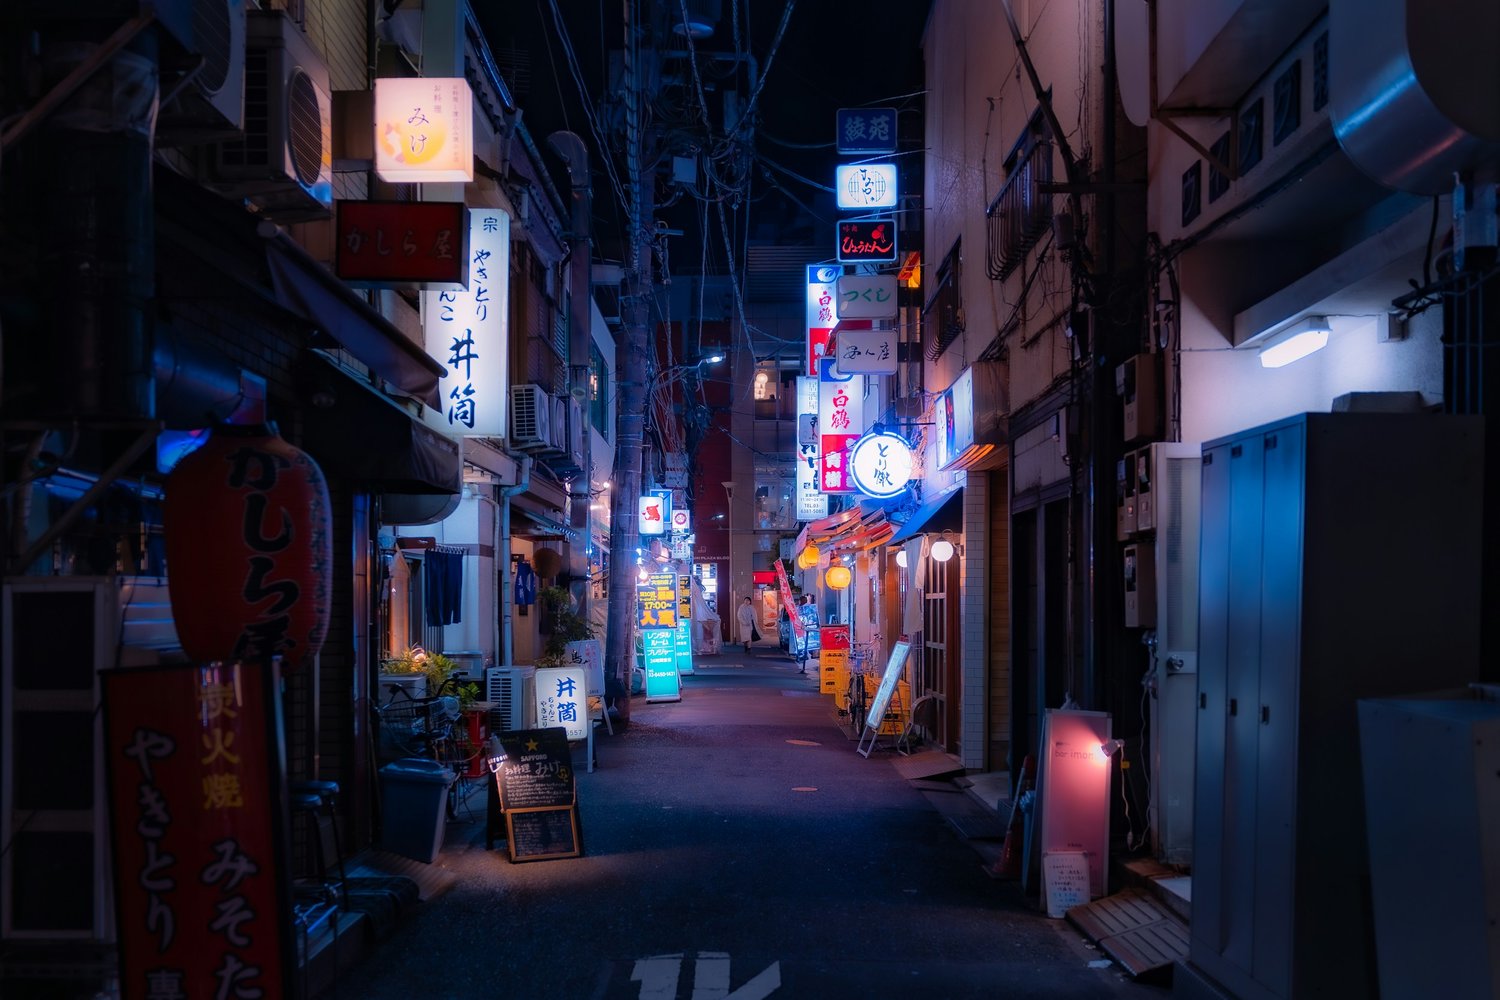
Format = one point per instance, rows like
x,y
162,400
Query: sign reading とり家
x,y
881,464
867,241
402,243
194,765
424,130
467,331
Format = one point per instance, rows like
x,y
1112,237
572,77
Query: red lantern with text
x,y
249,548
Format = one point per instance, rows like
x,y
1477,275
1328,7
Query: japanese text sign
x,y
588,654
403,243
866,352
867,241
467,331
194,771
656,600
880,464
865,130
840,421
865,185
810,504
867,296
682,520
562,700
794,615
821,313
659,653
424,130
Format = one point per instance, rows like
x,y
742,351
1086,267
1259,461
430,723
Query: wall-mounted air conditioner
x,y
530,417
284,163
208,102
511,692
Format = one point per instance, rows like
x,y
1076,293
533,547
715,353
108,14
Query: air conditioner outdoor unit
x,y
560,423
210,105
530,417
284,164
511,692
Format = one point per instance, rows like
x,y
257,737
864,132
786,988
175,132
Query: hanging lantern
x,y
838,577
808,557
942,550
249,548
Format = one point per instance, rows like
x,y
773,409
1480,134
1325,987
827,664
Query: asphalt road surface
x,y
735,847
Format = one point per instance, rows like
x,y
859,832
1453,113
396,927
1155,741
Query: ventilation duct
x,y
1415,88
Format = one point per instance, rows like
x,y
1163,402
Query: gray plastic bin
x,y
414,793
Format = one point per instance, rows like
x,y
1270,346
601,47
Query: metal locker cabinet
x,y
1242,686
1339,561
1274,715
1207,927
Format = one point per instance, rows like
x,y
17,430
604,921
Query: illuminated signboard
x,y
867,296
866,352
562,700
865,130
841,418
651,510
467,331
880,464
820,312
955,419
867,241
656,600
810,503
659,660
865,185
424,130
402,243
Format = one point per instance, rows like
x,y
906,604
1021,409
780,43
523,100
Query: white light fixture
x,y
1297,341
1108,747
901,558
942,550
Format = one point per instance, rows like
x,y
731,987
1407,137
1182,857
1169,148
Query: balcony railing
x,y
1020,213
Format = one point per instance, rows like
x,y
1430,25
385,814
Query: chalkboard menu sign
x,y
538,796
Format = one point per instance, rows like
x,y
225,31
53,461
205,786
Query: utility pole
x,y
624,533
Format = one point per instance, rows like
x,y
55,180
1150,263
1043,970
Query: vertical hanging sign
x,y
467,331
841,417
810,503
821,318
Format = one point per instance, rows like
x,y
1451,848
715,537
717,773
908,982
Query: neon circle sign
x,y
880,464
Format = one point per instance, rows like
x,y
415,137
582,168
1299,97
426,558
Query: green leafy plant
x,y
436,667
468,694
567,624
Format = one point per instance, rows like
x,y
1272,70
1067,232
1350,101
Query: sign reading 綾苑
x,y
865,130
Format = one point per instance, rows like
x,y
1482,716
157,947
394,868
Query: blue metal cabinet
x,y
1338,561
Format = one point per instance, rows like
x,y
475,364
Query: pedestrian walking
x,y
745,615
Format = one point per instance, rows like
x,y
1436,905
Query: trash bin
x,y
414,793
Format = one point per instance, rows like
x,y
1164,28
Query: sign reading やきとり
x,y
467,332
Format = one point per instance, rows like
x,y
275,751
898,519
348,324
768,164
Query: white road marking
x,y
659,976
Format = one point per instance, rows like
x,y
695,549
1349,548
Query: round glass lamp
x,y
901,558
838,577
942,550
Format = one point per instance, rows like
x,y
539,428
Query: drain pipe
x,y
505,654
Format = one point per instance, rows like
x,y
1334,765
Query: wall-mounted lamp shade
x,y
1295,342
942,550
1108,747
901,558
838,577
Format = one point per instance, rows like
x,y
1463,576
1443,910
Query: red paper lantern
x,y
249,548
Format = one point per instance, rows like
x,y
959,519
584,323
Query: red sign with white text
x,y
835,637
193,756
403,243
798,628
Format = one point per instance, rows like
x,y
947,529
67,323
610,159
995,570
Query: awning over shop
x,y
859,526
360,434
307,287
943,512
544,521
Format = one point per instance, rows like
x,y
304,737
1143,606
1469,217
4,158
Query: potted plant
x,y
420,673
567,625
